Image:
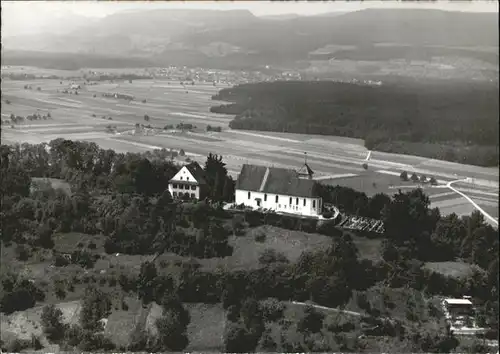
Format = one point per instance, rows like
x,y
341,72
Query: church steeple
x,y
305,171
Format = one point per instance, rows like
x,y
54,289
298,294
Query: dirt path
x,y
328,308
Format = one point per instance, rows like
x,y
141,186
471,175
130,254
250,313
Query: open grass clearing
x,y
55,183
452,269
206,329
246,250
122,322
23,324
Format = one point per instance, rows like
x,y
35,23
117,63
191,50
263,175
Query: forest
x,y
123,199
443,119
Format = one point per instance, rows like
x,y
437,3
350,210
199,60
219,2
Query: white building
x,y
460,314
189,182
278,189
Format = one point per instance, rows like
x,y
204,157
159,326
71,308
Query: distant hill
x,y
238,39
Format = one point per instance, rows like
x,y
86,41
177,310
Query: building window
x,y
181,177
187,178
248,195
175,194
174,185
181,186
290,201
277,198
193,188
314,203
297,201
265,197
192,195
304,201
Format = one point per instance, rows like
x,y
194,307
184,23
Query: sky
x,y
27,16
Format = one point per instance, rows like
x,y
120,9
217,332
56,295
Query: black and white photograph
x,y
249,176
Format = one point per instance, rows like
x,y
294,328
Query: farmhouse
x,y
189,182
278,189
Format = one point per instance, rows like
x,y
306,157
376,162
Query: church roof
x,y
275,180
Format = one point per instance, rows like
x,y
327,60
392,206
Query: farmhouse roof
x,y
275,181
197,172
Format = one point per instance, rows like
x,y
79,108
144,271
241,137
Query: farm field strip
x,y
77,136
146,145
449,202
472,170
335,176
485,202
459,209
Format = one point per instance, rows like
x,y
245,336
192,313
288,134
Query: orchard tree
x,y
172,326
52,323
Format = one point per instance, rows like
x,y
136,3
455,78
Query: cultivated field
x,y
335,160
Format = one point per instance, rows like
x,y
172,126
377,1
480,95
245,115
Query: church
x,y
279,189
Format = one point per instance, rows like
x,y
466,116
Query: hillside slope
x,y
181,37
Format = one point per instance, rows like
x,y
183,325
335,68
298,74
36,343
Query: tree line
x,y
439,119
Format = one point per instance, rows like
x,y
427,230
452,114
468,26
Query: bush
x,y
260,237
233,313
52,324
17,345
270,256
327,214
404,176
238,225
272,309
311,322
22,252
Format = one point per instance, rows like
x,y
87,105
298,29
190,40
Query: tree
x,y
172,326
312,321
52,323
267,342
433,181
376,204
146,282
365,166
216,176
96,306
24,295
237,339
182,153
146,118
404,176
414,177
